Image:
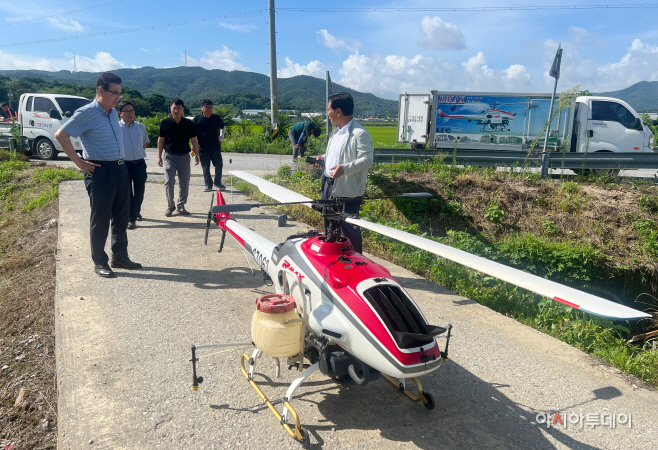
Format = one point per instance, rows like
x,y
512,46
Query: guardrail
x,y
505,158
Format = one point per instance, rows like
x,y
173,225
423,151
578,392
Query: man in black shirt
x,y
175,135
6,114
210,131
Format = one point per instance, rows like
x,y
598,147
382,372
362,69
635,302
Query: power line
x,y
132,30
341,10
60,14
473,8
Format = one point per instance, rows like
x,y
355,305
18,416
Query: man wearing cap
x,y
106,175
210,131
6,114
299,135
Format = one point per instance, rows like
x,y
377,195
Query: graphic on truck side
x,y
511,120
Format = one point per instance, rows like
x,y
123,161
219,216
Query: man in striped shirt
x,y
106,176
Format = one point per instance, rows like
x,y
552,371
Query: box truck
x,y
39,118
514,121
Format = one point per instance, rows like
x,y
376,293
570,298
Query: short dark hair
x,y
4,104
106,79
122,105
344,101
177,102
206,101
317,131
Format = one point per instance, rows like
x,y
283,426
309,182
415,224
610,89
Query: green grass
x,y
385,137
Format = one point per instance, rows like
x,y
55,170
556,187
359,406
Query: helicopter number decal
x,y
260,259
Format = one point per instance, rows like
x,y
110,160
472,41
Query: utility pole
x,y
185,58
555,73
75,65
273,94
329,92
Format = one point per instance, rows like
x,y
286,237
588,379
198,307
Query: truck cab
x,y
605,124
41,115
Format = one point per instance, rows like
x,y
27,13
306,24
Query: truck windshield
x,y
70,105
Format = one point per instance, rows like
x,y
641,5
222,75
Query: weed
x,y
43,199
550,228
495,213
570,187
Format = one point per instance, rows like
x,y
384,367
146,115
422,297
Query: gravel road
x,y
124,371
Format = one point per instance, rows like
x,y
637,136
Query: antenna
x,y
75,65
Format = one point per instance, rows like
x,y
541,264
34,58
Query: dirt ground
x,y
28,396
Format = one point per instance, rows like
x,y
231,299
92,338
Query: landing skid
x,y
423,396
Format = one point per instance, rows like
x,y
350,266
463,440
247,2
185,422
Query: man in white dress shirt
x,y
348,158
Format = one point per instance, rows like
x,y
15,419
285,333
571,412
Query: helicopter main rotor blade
x,y
230,208
416,195
572,297
278,193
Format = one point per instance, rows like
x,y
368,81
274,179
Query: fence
x,y
503,158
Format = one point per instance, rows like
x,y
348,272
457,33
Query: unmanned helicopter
x,y
491,118
347,316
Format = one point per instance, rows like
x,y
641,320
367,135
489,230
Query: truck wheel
x,y
45,149
609,172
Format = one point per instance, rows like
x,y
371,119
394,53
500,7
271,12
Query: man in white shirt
x,y
135,139
348,158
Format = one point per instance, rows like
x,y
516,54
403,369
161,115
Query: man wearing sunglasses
x,y
106,176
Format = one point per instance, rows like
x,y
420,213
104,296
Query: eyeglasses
x,y
116,94
128,111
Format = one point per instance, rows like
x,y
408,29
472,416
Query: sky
x,y
385,52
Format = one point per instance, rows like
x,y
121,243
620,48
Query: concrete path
x,y
124,371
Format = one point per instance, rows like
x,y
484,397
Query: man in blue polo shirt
x,y
106,176
135,139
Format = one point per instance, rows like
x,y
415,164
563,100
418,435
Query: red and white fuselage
x,y
343,291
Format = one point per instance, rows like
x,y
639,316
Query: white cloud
x,y
440,35
314,69
224,59
242,28
335,43
101,62
145,50
389,76
65,24
639,63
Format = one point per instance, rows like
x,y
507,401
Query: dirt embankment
x,y
28,394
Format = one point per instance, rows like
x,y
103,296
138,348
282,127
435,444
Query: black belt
x,y
134,161
107,163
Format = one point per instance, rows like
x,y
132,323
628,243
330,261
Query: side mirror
x,y
68,114
637,123
54,114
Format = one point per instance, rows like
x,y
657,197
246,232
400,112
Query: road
x,y
124,372
240,161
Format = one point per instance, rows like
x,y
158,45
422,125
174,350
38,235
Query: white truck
x,y
39,118
513,121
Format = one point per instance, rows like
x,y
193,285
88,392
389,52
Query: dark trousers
x,y
351,232
301,150
214,156
109,197
137,175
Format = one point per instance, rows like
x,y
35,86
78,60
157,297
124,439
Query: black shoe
x,y
139,216
207,189
169,212
183,212
123,262
220,186
103,270
132,225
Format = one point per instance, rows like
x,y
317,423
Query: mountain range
x,y
302,92
193,84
